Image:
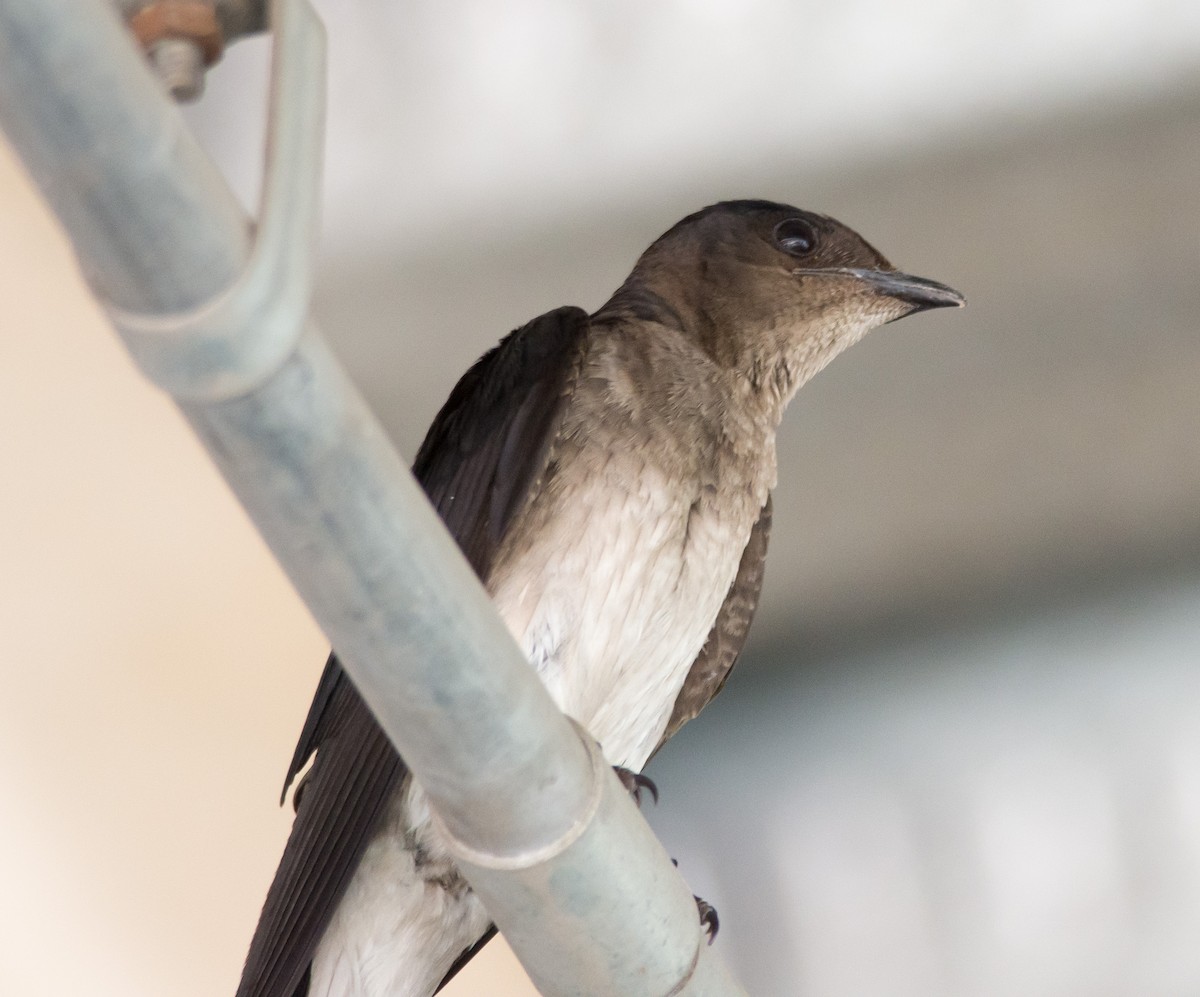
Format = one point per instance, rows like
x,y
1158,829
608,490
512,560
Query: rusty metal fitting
x,y
185,20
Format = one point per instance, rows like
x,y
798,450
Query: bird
x,y
608,477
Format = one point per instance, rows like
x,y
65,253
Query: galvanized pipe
x,y
554,847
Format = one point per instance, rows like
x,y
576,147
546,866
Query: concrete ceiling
x,y
483,169
1048,432
462,117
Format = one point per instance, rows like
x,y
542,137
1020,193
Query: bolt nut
x,y
187,20
180,67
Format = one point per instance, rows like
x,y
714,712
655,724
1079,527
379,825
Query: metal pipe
x,y
555,849
153,223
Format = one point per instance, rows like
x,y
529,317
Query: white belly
x,y
614,601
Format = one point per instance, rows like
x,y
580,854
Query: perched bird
x,y
609,479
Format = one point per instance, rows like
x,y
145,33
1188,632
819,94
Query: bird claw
x,y
635,782
708,914
708,918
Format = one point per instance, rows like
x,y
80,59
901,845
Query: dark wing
x,y
725,640
329,689
488,446
481,458
344,795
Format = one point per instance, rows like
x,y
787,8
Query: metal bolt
x,y
179,63
181,38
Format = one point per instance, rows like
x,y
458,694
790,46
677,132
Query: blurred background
x,y
961,754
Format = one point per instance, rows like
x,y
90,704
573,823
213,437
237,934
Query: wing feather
x,y
716,660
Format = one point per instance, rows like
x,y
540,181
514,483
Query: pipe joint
x,y
231,344
598,771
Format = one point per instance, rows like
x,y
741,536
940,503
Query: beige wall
x,y
156,664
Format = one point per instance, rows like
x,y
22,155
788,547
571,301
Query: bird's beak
x,y
919,292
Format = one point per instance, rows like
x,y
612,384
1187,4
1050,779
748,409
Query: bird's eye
x,y
796,237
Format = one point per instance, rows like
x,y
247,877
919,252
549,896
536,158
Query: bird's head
x,y
774,292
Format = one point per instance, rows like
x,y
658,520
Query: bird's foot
x,y
708,913
634,783
708,918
